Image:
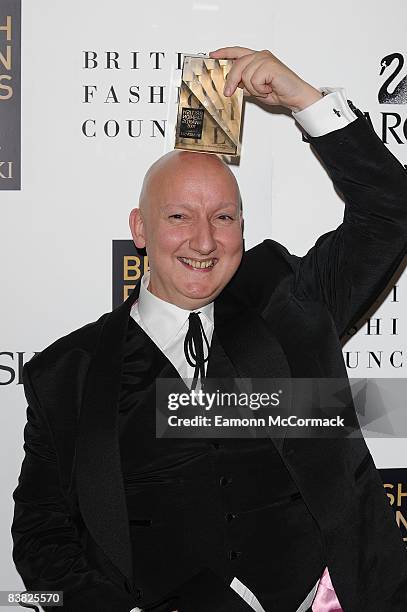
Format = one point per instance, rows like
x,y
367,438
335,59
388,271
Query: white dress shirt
x,y
166,324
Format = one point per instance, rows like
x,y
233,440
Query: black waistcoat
x,y
227,504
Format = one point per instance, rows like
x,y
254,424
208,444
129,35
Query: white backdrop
x,y
57,232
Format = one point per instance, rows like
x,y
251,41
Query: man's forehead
x,y
179,172
193,205
186,161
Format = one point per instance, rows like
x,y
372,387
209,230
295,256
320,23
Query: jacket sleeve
x,y
47,550
349,267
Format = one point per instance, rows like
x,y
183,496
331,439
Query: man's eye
x,y
225,217
176,216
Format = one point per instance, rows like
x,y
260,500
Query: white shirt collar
x,y
163,319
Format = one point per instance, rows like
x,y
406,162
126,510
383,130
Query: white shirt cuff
x,y
330,113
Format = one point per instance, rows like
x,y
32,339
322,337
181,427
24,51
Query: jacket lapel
x,y
250,345
98,467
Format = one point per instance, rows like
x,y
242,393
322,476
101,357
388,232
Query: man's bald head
x,y
189,220
173,167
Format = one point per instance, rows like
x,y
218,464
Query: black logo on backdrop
x,y
128,267
395,485
398,93
393,90
10,94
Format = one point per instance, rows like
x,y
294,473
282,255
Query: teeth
x,y
207,263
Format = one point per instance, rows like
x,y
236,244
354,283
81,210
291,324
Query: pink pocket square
x,y
326,599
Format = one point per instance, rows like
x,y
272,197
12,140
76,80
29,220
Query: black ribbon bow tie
x,y
194,349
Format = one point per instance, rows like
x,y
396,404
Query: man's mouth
x,y
199,264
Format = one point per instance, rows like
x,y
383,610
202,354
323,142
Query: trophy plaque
x,y
207,120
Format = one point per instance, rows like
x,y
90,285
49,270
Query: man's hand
x,y
263,75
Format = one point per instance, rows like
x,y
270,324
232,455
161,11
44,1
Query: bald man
x,y
190,221
119,520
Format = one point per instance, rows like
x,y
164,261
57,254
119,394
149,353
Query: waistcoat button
x,y
234,554
224,481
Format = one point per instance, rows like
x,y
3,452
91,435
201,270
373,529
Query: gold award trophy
x,y
207,120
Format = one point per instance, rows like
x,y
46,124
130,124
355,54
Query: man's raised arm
x,y
350,266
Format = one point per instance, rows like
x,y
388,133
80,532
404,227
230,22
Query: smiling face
x,y
190,222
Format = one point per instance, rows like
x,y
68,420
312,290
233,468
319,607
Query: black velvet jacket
x,y
280,316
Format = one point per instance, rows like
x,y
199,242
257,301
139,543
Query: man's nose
x,y
203,239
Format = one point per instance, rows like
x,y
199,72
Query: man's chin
x,y
200,294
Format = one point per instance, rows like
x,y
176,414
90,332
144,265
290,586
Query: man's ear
x,y
137,228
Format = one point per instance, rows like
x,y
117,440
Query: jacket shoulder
x,y
274,252
267,271
81,340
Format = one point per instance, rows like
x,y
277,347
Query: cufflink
x,y
335,110
353,108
